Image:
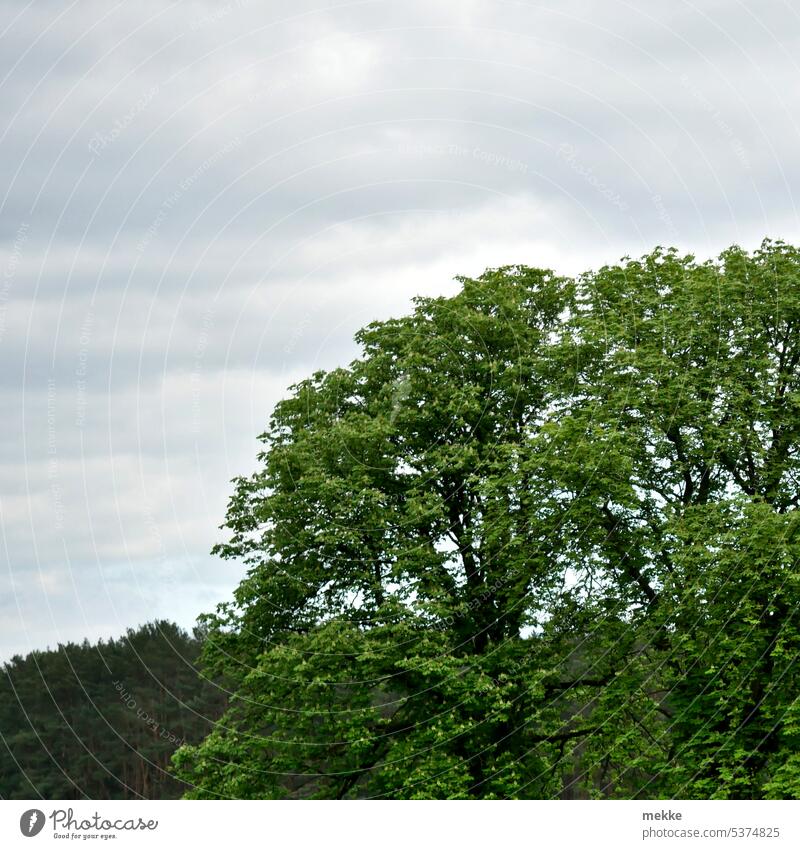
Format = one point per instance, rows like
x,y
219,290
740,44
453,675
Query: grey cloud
x,y
200,202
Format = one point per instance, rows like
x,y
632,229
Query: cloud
x,y
201,203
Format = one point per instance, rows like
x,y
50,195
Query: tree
x,y
102,721
493,557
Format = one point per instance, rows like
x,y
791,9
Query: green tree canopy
x,y
538,540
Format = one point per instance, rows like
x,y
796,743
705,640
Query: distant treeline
x,y
101,721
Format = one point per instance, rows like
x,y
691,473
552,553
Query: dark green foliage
x,y
102,721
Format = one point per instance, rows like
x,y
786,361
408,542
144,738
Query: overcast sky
x,y
200,203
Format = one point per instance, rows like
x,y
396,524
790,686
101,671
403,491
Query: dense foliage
x,y
539,540
102,721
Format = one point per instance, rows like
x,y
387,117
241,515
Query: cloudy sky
x,y
201,202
